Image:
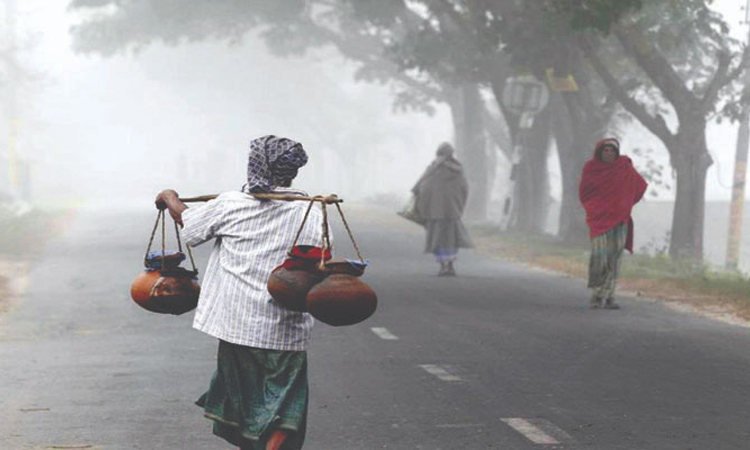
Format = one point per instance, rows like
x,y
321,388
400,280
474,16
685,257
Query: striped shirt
x,y
252,237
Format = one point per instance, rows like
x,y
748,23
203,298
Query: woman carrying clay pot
x,y
262,346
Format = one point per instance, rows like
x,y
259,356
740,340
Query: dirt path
x,y
14,280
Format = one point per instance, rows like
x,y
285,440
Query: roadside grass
x,y
653,276
21,239
4,294
25,236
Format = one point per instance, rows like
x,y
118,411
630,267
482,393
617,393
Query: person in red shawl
x,y
610,187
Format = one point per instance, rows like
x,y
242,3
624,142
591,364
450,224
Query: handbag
x,y
410,212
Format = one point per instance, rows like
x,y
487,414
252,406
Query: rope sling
x,y
326,229
160,217
323,200
330,291
165,287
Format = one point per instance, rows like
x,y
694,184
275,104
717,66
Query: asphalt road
x,y
501,357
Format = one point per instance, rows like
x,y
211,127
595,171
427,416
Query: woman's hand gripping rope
x,y
168,199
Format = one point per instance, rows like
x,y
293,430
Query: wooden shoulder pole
x,y
329,200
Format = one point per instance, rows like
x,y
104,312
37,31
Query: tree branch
x,y
351,47
655,124
657,67
724,76
719,80
448,9
496,130
744,63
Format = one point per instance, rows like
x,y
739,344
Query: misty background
x,y
112,132
118,130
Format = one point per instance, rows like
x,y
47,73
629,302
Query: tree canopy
x,y
670,64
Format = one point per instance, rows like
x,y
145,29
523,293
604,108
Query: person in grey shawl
x,y
440,198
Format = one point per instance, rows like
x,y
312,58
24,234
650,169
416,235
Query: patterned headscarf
x,y
273,161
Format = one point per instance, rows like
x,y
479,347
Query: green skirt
x,y
255,391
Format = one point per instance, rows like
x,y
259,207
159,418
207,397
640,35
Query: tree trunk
x,y
467,109
575,141
687,148
532,194
691,161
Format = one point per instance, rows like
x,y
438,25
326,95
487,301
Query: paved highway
x,y
501,357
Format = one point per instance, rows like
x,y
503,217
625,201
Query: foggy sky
x,y
120,129
182,117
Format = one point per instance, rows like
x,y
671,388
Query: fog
x,y
501,333
114,131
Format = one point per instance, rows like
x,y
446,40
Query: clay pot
x,y
166,292
171,260
343,266
341,299
309,253
290,287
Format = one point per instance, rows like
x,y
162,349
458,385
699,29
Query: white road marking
x,y
531,431
384,334
439,372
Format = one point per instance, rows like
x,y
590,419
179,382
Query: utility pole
x,y
734,240
11,107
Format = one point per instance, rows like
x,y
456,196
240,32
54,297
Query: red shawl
x,y
608,193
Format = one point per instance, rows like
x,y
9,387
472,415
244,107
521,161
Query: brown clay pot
x,y
341,299
165,292
309,253
290,287
342,266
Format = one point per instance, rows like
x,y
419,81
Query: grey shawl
x,y
442,190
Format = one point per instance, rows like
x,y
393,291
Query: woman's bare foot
x,y
276,440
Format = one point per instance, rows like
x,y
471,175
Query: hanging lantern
x,y
525,95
